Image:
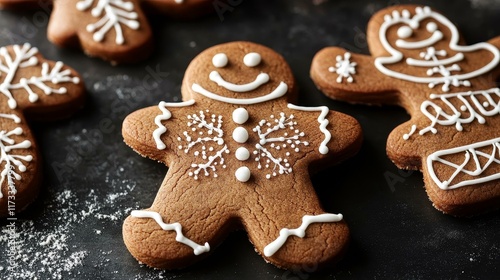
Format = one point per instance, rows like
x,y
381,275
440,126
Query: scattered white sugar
x,y
47,248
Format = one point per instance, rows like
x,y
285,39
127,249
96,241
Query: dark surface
x,y
93,180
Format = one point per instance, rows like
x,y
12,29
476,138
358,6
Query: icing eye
x,y
220,60
404,32
431,27
252,59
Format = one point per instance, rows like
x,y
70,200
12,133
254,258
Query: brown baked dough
x,y
419,61
31,89
239,156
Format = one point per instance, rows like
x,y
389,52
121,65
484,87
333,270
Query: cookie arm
x,y
337,135
119,34
152,131
350,77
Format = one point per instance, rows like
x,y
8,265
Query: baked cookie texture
x,y
113,30
32,88
419,61
240,154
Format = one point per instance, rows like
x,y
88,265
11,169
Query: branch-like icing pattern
x,y
307,220
111,14
25,58
177,227
9,160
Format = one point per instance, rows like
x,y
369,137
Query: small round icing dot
x,y
240,135
240,115
242,154
252,59
242,174
220,60
431,26
404,32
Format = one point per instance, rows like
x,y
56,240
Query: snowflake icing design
x,y
112,14
24,58
286,143
207,143
431,54
344,68
11,161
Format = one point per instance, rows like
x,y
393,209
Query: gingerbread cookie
x,y
239,156
113,30
31,88
419,61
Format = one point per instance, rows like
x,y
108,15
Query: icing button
x,y
242,174
240,116
242,154
240,135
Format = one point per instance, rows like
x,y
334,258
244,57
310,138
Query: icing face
x,y
427,44
241,77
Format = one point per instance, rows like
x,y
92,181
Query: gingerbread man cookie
x,y
37,89
420,62
239,156
114,30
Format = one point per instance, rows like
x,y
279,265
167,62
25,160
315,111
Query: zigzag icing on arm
x,y
307,220
177,227
166,115
323,149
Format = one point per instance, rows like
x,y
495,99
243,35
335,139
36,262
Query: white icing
x,y
261,79
323,123
240,135
25,57
405,32
204,140
242,154
177,227
471,153
252,59
220,60
442,67
9,160
277,136
166,115
412,130
111,14
243,174
450,115
277,93
240,116
307,220
344,68
436,36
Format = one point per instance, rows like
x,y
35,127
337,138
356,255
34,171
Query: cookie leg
x,y
295,237
171,239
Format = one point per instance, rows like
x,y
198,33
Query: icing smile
x,y
261,79
250,60
278,92
436,36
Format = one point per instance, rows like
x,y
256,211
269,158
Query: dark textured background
x,y
93,180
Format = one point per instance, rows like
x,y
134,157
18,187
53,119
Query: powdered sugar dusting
x,y
46,247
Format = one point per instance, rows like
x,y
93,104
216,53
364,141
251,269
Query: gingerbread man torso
x,y
239,155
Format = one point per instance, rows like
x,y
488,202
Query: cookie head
x,y
427,45
238,73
